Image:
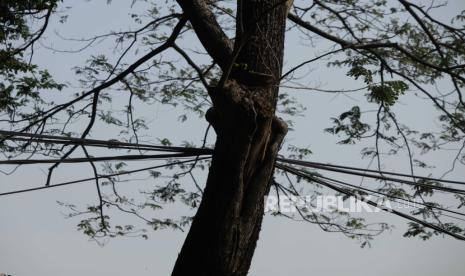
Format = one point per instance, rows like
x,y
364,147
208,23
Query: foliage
x,y
396,49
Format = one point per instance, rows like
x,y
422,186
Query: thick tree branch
x,y
209,32
372,45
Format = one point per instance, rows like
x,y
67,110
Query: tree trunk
x,y
225,230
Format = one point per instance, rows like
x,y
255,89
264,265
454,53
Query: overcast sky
x,y
36,239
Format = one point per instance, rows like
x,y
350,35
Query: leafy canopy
x,y
391,50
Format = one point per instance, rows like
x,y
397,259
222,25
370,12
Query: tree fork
x,y
225,229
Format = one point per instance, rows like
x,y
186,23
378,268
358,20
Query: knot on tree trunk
x,y
228,221
237,107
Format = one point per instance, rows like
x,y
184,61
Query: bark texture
x,y
225,230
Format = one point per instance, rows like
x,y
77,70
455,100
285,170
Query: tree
x,y
393,47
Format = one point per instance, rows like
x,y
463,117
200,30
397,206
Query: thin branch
x,y
192,64
369,202
168,43
99,192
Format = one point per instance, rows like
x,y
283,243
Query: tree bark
x,y
225,229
